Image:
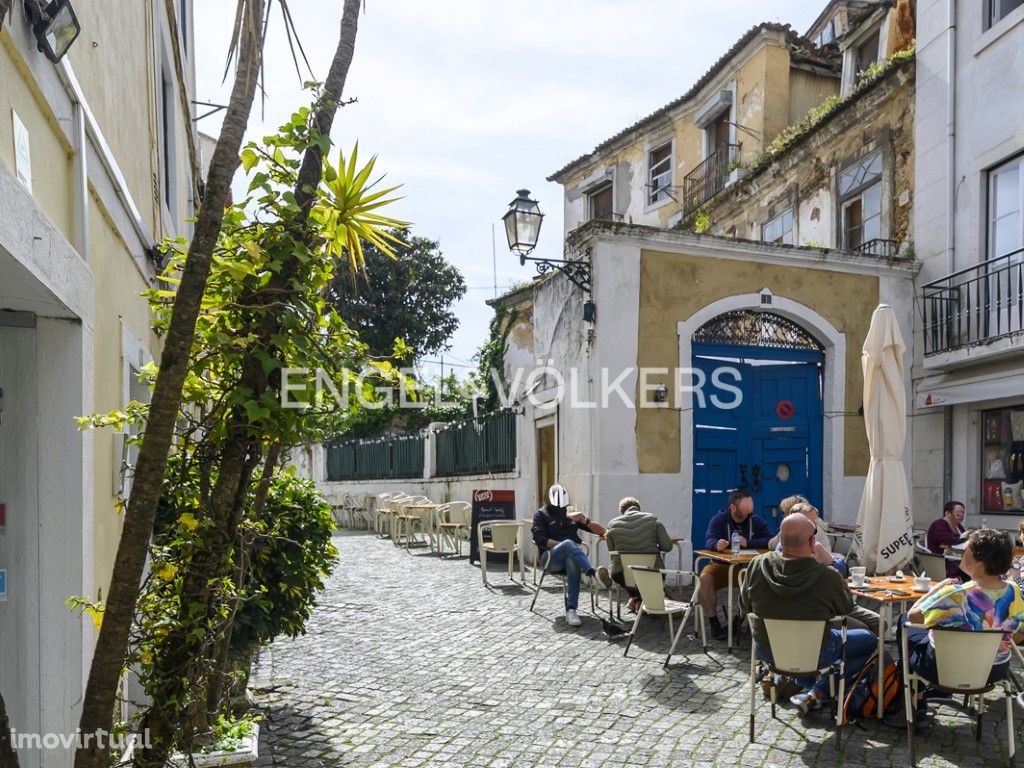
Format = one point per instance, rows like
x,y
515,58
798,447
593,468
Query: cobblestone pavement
x,y
410,661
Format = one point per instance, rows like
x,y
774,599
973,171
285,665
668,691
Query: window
x,y
601,203
827,34
867,54
168,146
1002,459
860,201
659,173
780,229
1000,9
183,24
1006,208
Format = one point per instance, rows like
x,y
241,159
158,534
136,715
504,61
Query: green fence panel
x,y
398,457
487,445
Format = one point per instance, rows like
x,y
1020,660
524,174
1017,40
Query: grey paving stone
x,y
410,661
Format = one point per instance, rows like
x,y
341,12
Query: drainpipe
x,y
947,421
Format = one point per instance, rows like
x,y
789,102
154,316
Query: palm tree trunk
x,y
240,449
8,757
112,643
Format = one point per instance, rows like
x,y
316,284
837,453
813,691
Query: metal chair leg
x,y
632,632
536,590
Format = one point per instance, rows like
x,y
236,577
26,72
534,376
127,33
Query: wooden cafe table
x,y
887,591
734,562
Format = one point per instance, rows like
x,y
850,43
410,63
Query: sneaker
x,y
604,576
807,702
717,630
571,618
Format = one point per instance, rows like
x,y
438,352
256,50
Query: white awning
x,y
948,389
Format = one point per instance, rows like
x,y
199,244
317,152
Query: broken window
x,y
780,229
860,200
867,54
601,203
659,173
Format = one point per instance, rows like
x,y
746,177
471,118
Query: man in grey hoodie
x,y
792,584
633,532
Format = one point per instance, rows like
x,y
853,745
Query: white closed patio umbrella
x,y
884,519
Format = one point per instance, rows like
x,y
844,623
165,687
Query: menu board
x,y
489,506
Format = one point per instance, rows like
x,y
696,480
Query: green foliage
x,y
407,295
229,734
701,221
491,356
290,556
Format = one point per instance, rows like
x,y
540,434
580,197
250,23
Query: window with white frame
x,y
860,202
780,229
168,140
1000,9
600,202
1006,208
827,34
659,173
866,54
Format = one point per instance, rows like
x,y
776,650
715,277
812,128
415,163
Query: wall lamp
x,y
522,229
55,27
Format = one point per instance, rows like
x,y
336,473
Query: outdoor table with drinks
x,y
886,590
734,557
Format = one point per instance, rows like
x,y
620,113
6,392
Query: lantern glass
x,y
522,223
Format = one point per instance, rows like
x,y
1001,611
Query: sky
x,y
466,101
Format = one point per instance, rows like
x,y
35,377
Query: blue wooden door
x,y
757,425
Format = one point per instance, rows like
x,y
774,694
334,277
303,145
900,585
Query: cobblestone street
x,y
410,661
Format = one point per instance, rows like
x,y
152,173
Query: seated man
x,y
557,532
754,533
635,533
945,532
986,601
793,585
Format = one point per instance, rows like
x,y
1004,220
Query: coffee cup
x,y
922,582
858,575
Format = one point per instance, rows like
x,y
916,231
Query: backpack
x,y
862,692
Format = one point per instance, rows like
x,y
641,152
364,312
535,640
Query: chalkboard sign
x,y
489,506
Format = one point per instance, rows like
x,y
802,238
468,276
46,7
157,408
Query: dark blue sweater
x,y
755,530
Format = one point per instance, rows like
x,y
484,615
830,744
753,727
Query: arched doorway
x,y
757,418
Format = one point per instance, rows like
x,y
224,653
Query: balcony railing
x,y
888,249
975,305
708,179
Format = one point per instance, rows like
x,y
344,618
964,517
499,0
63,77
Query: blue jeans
x,y
860,645
569,558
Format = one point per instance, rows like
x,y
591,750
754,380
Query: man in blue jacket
x,y
556,531
754,533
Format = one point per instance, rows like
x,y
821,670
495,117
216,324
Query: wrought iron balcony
x,y
975,305
878,246
708,179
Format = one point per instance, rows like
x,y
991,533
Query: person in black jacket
x,y
557,532
754,533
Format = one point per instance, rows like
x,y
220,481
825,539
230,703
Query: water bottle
x,y
735,542
984,523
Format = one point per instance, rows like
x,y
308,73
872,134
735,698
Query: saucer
x,y
896,580
920,589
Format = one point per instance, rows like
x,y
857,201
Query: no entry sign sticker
x,y
784,409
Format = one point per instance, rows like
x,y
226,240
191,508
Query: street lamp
x,y
522,226
55,27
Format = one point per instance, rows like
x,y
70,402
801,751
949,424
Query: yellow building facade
x,y
94,171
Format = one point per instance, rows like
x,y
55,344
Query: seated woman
x,y
945,532
636,533
1017,567
822,546
986,601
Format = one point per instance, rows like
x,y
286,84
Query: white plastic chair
x,y
545,559
795,647
930,564
382,512
506,539
963,660
651,583
627,560
453,525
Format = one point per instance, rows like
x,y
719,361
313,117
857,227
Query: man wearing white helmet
x,y
557,532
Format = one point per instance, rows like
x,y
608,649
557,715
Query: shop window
x,y
1002,460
